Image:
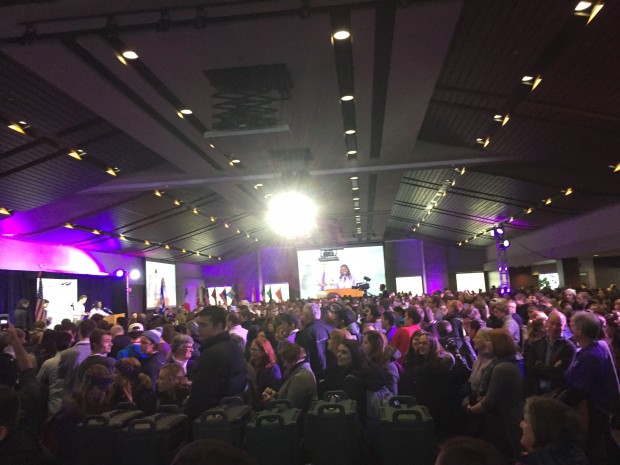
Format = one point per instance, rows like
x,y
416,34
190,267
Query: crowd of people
x,y
526,378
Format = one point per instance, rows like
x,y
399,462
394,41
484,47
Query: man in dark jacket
x,y
313,338
221,370
22,315
548,358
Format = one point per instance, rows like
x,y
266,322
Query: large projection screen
x,y
320,266
155,272
61,293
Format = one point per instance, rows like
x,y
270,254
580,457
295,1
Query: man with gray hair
x,y
313,338
181,351
592,378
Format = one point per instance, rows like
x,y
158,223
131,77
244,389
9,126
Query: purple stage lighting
x,y
119,273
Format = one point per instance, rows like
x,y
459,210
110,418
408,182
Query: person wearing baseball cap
x,y
151,346
135,331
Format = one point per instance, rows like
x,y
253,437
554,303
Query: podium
x,y
346,292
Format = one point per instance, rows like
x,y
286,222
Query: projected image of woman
x,y
345,281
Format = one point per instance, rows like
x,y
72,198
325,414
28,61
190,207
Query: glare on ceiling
x,y
130,55
583,6
291,214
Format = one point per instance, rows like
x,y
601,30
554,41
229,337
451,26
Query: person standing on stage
x,y
22,314
98,310
345,281
79,311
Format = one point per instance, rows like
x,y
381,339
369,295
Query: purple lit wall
x,y
241,272
436,265
280,266
31,256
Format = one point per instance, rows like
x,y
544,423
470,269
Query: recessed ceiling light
x,y
234,160
583,6
354,177
96,231
158,193
355,188
167,246
112,171
350,131
17,128
351,152
527,78
147,243
346,98
256,186
186,111
66,225
341,35
195,211
75,155
356,198
130,55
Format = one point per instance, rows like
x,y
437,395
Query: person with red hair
x,y
263,370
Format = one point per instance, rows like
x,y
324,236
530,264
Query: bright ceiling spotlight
x,y
134,274
341,35
499,231
119,273
583,6
130,55
505,243
291,214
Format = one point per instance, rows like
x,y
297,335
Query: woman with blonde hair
x,y
500,397
172,386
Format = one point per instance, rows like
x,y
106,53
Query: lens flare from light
x,y
291,214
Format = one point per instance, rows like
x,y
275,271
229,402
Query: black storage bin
x,y
403,423
274,435
96,440
226,422
153,440
333,431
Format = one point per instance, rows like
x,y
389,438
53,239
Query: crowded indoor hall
x,y
309,232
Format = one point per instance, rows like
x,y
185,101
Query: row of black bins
x,y
331,433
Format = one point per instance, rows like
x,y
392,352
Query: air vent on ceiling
x,y
249,99
295,160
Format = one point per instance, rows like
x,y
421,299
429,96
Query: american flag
x,y
39,311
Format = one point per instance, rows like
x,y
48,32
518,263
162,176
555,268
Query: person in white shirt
x,y
47,376
345,281
98,310
79,311
233,325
